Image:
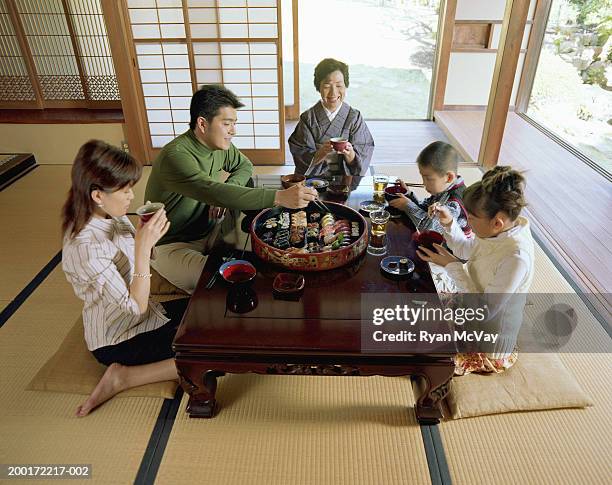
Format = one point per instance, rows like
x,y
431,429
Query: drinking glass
x,y
380,183
377,245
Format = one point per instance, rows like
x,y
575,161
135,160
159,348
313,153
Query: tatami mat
x,y
30,235
40,427
566,446
300,430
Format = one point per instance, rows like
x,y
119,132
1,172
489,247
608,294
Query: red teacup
x,y
339,144
145,212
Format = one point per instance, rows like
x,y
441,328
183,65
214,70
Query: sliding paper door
x,y
179,45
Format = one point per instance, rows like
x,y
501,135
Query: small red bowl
x,y
427,239
291,180
237,271
393,191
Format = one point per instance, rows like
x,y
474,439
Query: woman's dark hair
x,y
97,166
500,190
326,67
441,157
207,101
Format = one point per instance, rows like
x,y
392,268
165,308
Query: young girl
x,y
500,259
107,263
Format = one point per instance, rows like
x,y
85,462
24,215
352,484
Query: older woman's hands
x,y
348,152
322,152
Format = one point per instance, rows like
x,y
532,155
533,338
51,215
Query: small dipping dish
x,y
396,266
319,184
237,271
288,286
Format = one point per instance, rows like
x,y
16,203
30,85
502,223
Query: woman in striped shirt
x,y
107,263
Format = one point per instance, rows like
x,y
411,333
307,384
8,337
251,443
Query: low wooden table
x,y
318,335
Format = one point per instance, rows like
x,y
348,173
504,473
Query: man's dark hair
x,y
326,67
207,101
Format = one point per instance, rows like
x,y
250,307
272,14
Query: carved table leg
x,y
202,400
437,382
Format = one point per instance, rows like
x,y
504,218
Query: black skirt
x,y
146,347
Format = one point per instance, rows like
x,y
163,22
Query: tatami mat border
x,y
14,305
159,439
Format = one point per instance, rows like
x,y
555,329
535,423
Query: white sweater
x,y
500,267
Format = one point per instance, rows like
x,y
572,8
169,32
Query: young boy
x,y
438,164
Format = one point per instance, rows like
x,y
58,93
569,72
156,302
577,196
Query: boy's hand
x,y
402,184
442,257
441,212
400,202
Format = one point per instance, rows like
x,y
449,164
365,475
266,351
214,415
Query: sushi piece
x,y
314,217
284,220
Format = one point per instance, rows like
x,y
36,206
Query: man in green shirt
x,y
186,177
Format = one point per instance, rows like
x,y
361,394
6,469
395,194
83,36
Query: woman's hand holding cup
x,y
148,233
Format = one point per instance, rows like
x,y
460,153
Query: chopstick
x,y
320,205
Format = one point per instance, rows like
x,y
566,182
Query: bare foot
x,y
111,383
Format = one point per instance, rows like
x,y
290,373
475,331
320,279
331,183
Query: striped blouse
x,y
99,263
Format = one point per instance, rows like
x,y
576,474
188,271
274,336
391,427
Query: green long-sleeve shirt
x,y
186,178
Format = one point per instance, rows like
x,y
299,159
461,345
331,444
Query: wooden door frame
x,y
292,111
445,43
513,30
124,59
532,56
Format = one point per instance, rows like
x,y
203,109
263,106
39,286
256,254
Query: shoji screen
x,y
56,54
182,44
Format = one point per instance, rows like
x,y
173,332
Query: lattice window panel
x,y
48,36
94,50
66,49
15,82
181,45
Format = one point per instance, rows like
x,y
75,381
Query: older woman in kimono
x,y
331,117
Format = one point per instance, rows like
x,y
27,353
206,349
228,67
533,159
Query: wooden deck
x,y
569,202
395,141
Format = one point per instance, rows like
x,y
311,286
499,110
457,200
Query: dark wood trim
x,y
515,18
61,116
534,47
445,40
